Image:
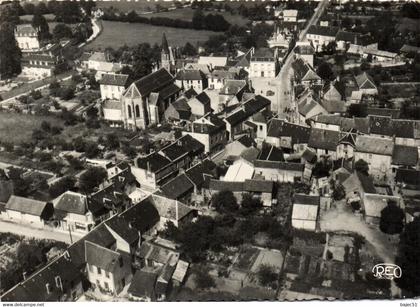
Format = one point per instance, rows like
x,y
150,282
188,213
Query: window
x,y
106,286
99,271
129,111
261,127
107,274
137,111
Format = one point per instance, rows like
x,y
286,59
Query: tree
x,y
92,178
61,186
392,219
46,126
325,72
10,54
266,274
61,30
112,141
189,50
91,150
408,258
39,21
362,166
224,201
203,280
250,204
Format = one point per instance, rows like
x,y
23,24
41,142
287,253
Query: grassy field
x,y
187,14
17,128
116,34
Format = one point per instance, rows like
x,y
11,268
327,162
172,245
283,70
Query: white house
x,y
321,36
305,211
113,85
263,64
27,37
28,211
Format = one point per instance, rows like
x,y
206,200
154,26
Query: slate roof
x,y
6,190
279,128
143,284
304,199
167,208
254,185
33,289
347,36
403,128
246,140
304,49
114,79
374,145
408,176
270,153
154,81
324,139
287,166
142,216
381,125
364,80
323,31
203,98
25,205
190,93
197,172
177,187
405,155
120,226
101,257
72,202
174,151
190,75
155,161
219,185
26,29
98,56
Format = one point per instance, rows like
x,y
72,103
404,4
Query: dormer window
x,y
48,287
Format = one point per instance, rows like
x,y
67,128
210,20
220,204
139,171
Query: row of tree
x,y
200,21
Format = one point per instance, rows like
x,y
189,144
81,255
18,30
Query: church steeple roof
x,y
165,46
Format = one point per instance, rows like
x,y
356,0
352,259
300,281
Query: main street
x,y
285,93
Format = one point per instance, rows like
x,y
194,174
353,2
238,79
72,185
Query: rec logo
x,y
386,271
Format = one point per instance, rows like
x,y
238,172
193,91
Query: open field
x,y
17,128
126,6
187,14
116,34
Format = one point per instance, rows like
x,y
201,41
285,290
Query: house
x,y
338,123
60,280
171,210
321,36
217,78
145,100
178,188
346,145
406,132
379,55
408,178
304,73
305,51
40,65
178,110
212,61
210,131
308,106
76,213
232,91
27,37
111,111
377,152
263,64
195,79
239,171
260,189
236,119
28,211
200,105
261,121
279,171
152,169
142,287
345,38
330,92
381,126
107,269
356,185
373,204
305,211
156,255
405,156
113,85
288,136
107,68
95,60
324,142
290,16
365,84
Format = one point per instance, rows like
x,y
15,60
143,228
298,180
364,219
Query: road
x,y
37,233
284,89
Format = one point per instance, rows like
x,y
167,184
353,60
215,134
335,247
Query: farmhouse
x,y
28,211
